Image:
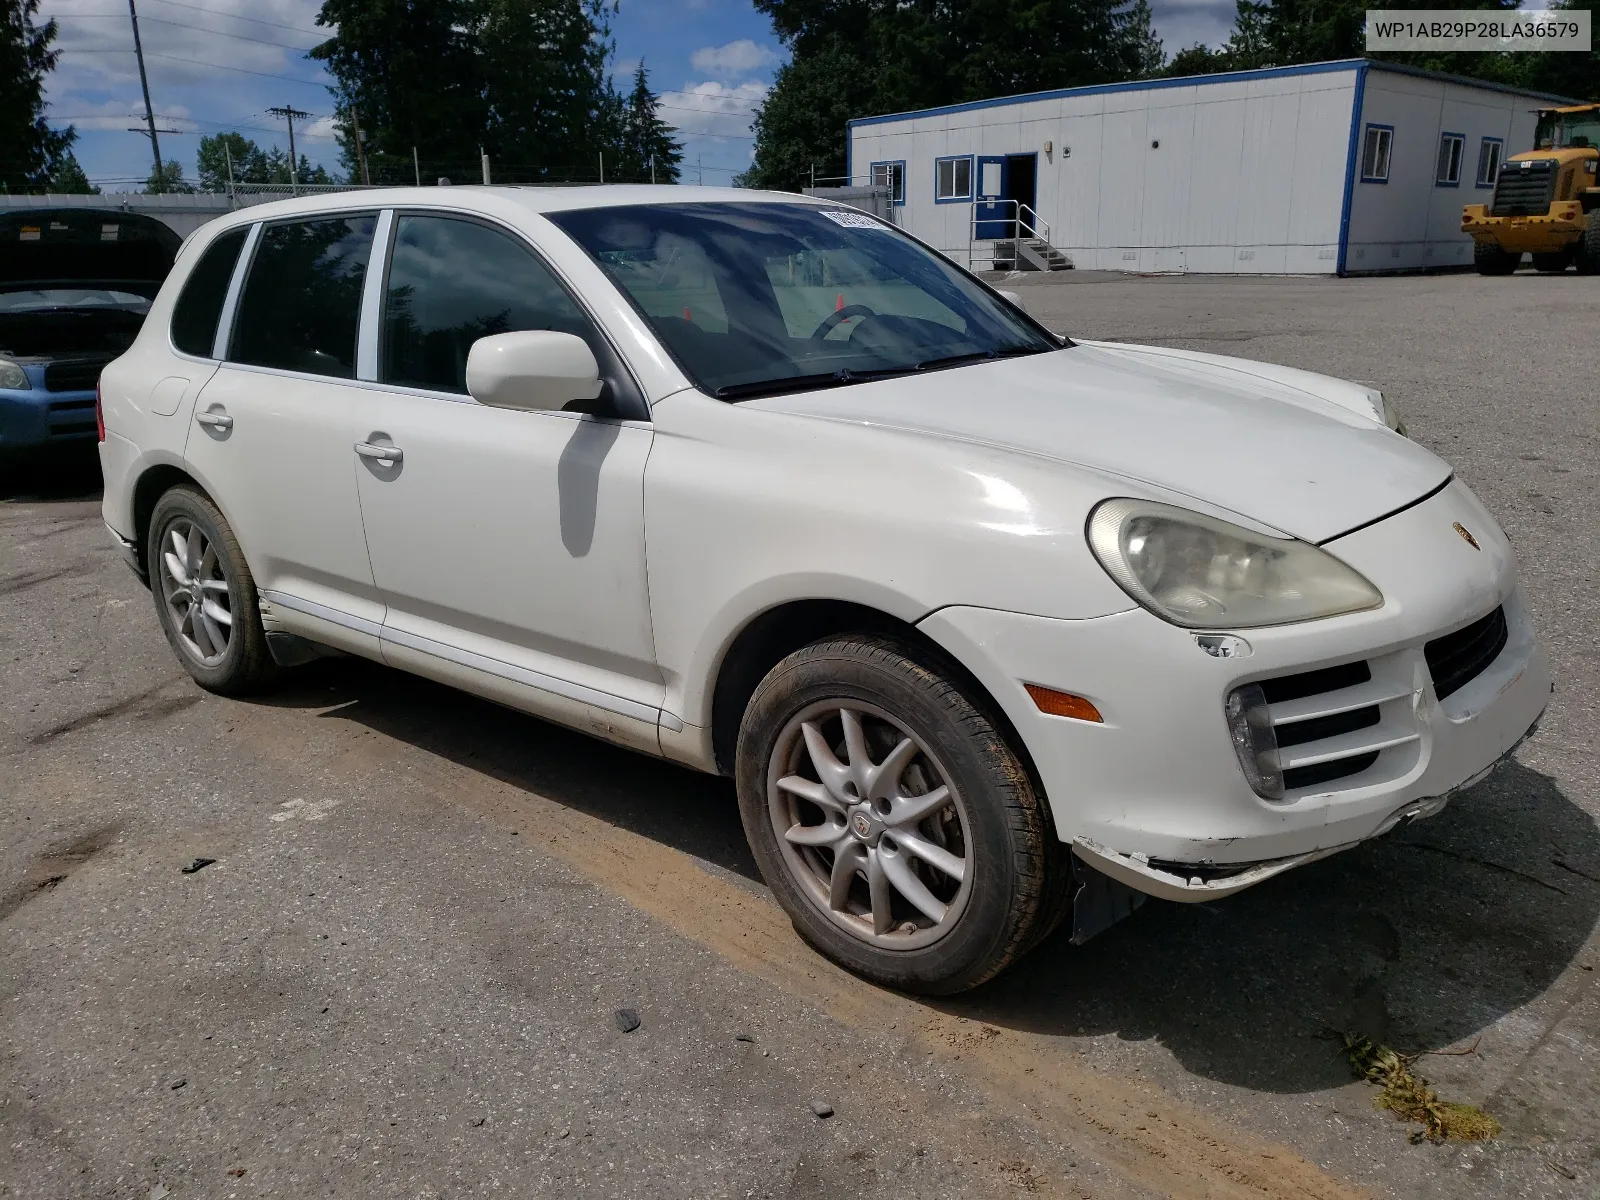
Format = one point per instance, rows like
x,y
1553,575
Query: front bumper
x,y
1561,227
1154,795
37,418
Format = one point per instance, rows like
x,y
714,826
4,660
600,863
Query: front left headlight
x,y
13,376
1202,573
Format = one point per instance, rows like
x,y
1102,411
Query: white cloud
x,y
733,60
712,109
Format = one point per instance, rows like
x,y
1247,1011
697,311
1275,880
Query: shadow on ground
x,y
51,475
1421,939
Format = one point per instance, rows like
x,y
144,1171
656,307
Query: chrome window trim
x,y
372,289
230,304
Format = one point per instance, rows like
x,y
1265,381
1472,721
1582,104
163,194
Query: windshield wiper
x,y
800,383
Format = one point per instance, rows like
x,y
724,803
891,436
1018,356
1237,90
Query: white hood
x,y
1245,437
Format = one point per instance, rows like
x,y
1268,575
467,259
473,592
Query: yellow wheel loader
x,y
1546,200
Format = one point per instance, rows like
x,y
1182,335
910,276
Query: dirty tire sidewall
x,y
1492,260
247,665
1588,255
1011,852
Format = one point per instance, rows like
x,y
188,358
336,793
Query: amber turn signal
x,y
1063,704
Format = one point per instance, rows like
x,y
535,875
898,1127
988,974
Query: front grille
x,y
1456,659
73,428
73,374
1329,723
1524,189
70,405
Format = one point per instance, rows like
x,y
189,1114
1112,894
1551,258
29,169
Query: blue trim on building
x,y
1133,85
1478,181
1358,100
971,179
1461,163
1360,65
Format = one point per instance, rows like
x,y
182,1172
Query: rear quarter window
x,y
199,305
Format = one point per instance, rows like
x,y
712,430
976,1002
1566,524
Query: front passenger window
x,y
302,300
452,282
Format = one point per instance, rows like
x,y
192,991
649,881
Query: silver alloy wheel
x,y
869,825
195,588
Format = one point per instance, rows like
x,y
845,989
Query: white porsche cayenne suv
x,y
991,628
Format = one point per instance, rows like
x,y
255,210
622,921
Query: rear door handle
x,y
216,420
388,454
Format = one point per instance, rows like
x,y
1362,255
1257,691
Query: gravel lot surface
x,y
401,974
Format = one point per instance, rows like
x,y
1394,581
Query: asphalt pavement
x,y
400,973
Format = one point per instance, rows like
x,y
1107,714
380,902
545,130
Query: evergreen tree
x,y
168,179
250,163
409,69
875,56
30,151
645,148
67,177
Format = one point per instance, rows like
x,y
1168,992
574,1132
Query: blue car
x,y
75,285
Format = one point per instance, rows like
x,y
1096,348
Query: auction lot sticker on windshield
x,y
851,220
1480,29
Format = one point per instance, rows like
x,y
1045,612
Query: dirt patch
x,y
52,868
148,705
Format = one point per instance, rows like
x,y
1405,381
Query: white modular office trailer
x,y
1337,167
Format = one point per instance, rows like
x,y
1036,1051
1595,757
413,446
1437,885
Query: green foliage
x,y
250,164
67,177
643,139
31,153
168,179
525,81
865,57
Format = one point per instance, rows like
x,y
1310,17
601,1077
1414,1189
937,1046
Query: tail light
x,y
99,413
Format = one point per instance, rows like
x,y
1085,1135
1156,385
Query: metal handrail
x,y
1029,226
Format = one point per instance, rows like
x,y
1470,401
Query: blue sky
x,y
219,64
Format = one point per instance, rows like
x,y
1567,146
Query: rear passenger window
x,y
302,299
452,282
199,305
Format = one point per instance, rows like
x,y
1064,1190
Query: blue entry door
x,y
992,217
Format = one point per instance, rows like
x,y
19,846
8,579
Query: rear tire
x,y
1491,260
842,750
1552,264
1588,255
205,595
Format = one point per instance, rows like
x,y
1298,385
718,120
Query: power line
x,y
324,31
214,66
194,28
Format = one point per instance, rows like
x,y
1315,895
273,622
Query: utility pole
x,y
144,84
699,172
483,160
228,154
602,166
416,165
652,168
288,112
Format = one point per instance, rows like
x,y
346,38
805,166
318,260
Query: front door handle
x,y
215,420
385,454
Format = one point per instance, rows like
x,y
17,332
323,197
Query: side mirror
x,y
1014,298
537,370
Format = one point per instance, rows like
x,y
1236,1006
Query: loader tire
x,y
1491,260
1588,256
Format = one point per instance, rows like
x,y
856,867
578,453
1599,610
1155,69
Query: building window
x,y
952,179
891,175
1489,151
1451,148
1375,154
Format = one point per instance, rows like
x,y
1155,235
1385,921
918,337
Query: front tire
x,y
1491,260
1588,255
892,819
1552,264
205,595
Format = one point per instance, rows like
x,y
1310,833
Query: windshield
x,y
753,299
1559,130
34,299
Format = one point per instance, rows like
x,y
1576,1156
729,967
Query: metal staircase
x,y
1029,250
